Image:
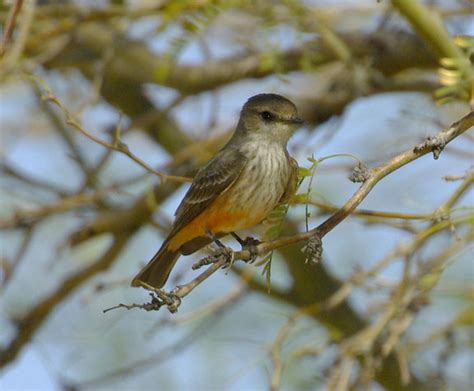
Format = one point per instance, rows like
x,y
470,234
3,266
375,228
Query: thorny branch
x,y
434,144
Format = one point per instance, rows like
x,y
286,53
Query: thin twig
x,y
78,155
13,265
30,216
344,291
11,57
10,26
365,212
17,174
117,144
275,351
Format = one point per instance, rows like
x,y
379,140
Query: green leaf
x,y
304,172
267,272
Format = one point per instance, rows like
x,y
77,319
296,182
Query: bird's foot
x,y
214,238
228,254
250,244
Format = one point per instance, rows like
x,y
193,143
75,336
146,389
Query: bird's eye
x,y
266,115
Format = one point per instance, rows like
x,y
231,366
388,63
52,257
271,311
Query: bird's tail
x,y
157,271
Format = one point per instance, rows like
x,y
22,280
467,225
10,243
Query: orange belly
x,y
221,217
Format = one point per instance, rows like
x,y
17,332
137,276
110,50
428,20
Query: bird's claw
x,y
228,254
250,244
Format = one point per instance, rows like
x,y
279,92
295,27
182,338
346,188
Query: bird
x,y
237,189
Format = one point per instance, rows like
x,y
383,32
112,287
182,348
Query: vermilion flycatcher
x,y
236,189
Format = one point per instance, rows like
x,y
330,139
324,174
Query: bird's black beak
x,y
297,121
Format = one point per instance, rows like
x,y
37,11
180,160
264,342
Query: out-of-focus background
x,y
390,304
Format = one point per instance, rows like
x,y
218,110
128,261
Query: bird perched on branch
x,y
236,189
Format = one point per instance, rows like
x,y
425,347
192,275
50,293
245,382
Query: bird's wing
x,y
292,182
213,179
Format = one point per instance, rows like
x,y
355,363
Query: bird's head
x,y
269,116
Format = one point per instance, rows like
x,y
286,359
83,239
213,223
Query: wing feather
x,y
213,179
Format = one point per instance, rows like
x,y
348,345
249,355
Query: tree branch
x,y
117,144
433,144
390,52
429,25
10,26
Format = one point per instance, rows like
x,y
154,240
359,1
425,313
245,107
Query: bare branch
x,y
10,26
117,144
10,58
27,217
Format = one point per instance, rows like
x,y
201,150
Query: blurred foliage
x,y
457,74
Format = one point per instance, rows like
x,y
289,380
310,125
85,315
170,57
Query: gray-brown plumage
x,y
237,188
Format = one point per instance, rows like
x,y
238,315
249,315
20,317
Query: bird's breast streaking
x,y
245,204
